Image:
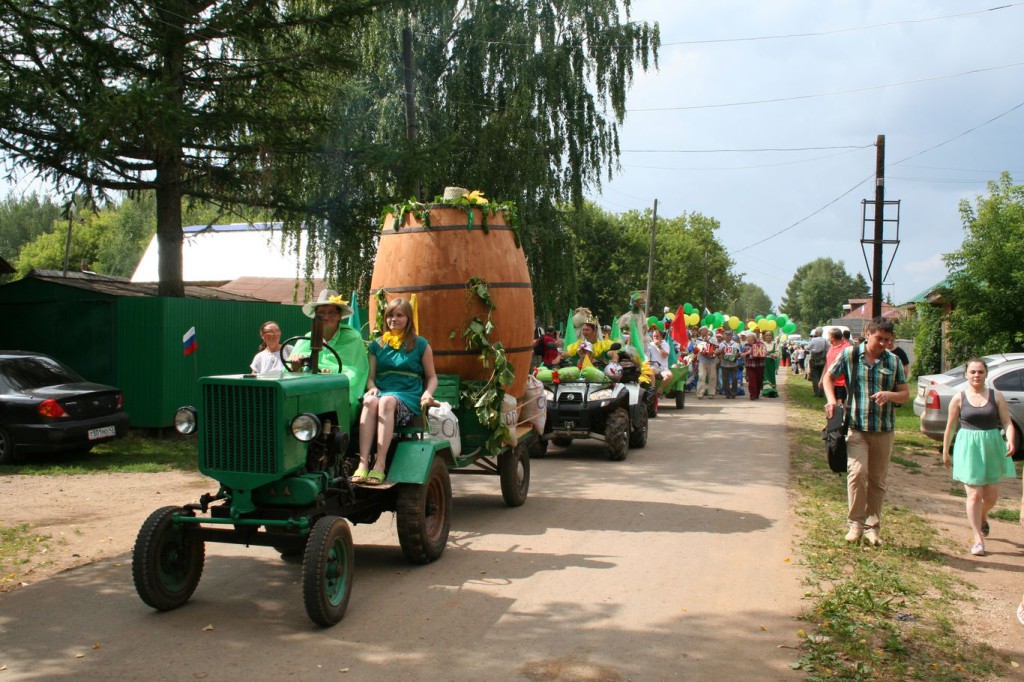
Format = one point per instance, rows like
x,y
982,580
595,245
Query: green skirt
x,y
979,457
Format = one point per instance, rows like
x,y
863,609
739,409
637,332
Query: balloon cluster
x,y
764,323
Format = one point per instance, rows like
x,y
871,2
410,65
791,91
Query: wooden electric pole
x,y
650,261
410,103
876,270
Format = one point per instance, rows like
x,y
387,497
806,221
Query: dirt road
x,y
675,564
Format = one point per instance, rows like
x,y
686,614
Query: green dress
x,y
400,373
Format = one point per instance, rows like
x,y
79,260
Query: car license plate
x,y
104,432
920,391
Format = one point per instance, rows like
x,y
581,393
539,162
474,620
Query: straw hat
x,y
327,297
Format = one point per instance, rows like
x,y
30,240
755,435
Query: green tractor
x,y
280,448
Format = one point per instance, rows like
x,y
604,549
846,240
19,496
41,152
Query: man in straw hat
x,y
346,341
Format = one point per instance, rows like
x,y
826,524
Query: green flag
x,y
672,357
636,340
616,333
355,320
570,331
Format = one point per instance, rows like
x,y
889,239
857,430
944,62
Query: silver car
x,y
955,375
1006,376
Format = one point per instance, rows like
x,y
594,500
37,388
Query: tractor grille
x,y
239,433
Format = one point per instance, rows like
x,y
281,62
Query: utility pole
x,y
876,270
410,108
650,261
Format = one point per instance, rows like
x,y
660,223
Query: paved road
x,y
670,565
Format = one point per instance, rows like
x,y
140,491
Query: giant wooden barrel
x,y
435,263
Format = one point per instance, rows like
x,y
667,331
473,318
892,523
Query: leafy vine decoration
x,y
486,397
475,199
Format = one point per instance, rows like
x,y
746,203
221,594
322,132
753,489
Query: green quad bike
x,y
675,388
280,448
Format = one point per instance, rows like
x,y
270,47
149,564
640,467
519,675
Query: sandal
x,y
375,477
360,474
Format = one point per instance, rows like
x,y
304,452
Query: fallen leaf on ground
x,y
208,628
96,645
764,629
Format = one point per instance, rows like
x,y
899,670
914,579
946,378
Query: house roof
x,y
225,253
5,267
277,289
120,286
934,291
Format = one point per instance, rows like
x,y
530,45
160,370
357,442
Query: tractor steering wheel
x,y
284,360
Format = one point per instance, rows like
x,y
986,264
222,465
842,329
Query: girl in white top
x,y
268,359
657,354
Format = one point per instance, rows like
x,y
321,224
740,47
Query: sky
x,y
921,73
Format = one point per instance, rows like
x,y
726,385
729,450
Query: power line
x,y
829,94
841,30
957,137
762,149
749,167
804,219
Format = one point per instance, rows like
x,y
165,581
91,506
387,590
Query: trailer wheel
x,y
167,560
638,434
562,441
514,469
327,571
424,515
616,435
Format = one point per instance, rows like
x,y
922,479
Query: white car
x,y
955,375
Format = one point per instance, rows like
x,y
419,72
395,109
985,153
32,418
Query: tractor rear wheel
x,y
424,515
680,398
327,571
514,469
167,560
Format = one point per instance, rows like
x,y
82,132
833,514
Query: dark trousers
x,y
755,380
729,381
816,371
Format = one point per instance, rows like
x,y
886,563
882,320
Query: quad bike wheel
x,y
616,435
424,515
327,570
167,560
638,434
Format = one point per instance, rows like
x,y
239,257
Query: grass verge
x,y
875,614
133,454
17,544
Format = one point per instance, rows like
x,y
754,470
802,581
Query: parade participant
x,y
590,347
877,383
707,375
981,457
268,359
400,386
753,362
771,363
637,301
817,353
728,359
657,352
346,341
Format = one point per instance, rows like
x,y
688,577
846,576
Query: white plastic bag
x,y
534,408
443,424
510,415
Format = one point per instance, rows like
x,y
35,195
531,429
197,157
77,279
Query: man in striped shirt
x,y
876,383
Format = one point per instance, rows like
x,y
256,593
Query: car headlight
x,y
306,427
549,396
185,420
602,394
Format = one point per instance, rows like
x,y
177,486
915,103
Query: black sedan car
x,y
47,407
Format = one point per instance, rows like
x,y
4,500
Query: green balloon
x,y
687,308
770,316
789,328
782,320
758,318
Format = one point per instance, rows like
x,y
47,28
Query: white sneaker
x,y
853,535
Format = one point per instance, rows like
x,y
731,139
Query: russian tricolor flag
x,y
189,343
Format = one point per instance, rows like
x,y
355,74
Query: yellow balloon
x,y
772,325
751,325
670,316
692,319
734,322
763,324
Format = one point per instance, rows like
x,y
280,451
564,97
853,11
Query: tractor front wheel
x,y
424,515
327,571
167,560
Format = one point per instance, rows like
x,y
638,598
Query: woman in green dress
x,y
400,386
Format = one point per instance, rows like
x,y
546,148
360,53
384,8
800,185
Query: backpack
x,y
834,433
818,358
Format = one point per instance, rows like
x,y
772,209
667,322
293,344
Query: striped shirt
x,y
884,375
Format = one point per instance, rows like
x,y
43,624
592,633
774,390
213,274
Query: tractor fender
x,y
412,459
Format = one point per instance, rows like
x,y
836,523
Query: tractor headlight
x,y
185,420
549,396
601,394
306,427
